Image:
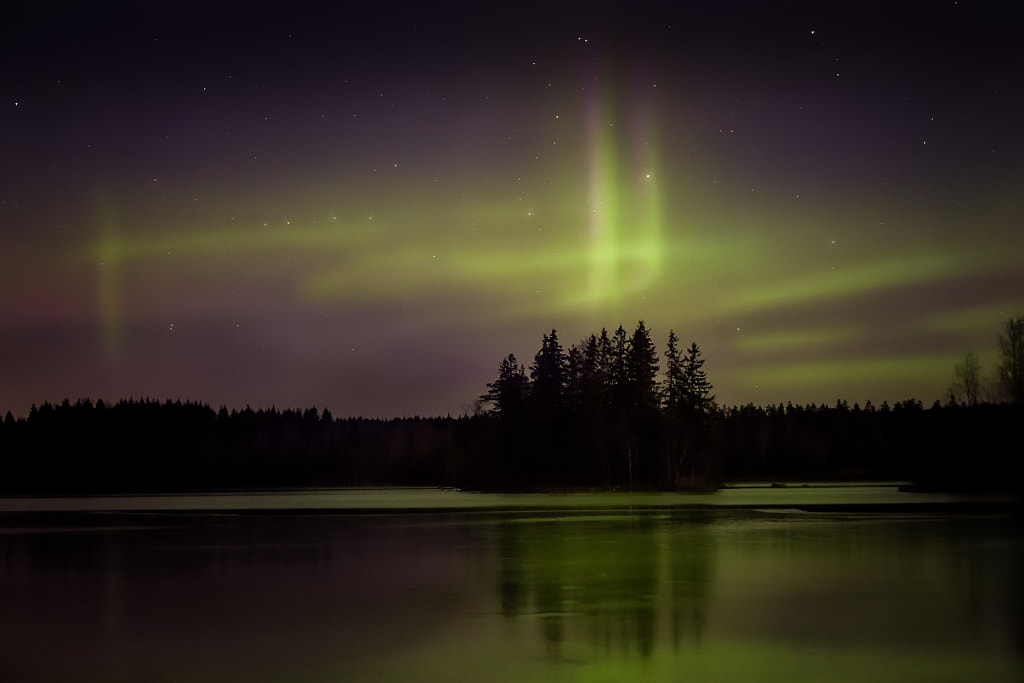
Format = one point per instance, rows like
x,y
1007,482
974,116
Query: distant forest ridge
x,y
600,415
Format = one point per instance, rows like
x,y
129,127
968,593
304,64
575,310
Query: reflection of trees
x,y
691,568
620,584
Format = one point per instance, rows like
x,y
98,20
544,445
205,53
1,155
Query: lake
x,y
748,584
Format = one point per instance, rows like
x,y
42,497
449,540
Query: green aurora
x,y
376,235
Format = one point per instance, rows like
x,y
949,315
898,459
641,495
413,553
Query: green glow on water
x,y
525,588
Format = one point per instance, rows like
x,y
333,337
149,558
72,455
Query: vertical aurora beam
x,y
648,250
602,242
624,223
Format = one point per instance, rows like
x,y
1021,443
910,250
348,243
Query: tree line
x,y
602,414
152,446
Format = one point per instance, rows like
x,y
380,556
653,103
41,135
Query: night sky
x,y
367,207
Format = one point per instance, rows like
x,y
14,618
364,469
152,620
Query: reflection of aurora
x,y
531,594
759,595
620,583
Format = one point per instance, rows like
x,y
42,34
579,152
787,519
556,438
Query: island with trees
x,y
606,413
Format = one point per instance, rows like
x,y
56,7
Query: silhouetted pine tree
x,y
507,394
673,404
643,405
552,455
592,416
548,376
696,388
674,387
642,371
696,459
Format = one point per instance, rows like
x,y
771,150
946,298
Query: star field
x,y
368,208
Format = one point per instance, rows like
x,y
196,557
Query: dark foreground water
x,y
519,593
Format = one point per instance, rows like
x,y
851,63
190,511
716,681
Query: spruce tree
x,y
673,391
548,374
507,394
642,370
697,389
618,373
575,373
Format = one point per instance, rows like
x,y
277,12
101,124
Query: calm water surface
x,y
522,593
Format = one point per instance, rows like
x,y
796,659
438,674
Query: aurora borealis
x,y
366,209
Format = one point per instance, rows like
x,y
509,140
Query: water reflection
x,y
925,595
611,580
928,582
511,595
266,597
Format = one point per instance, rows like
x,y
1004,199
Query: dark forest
x,y
602,414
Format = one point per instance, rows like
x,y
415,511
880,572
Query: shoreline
x,y
807,497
